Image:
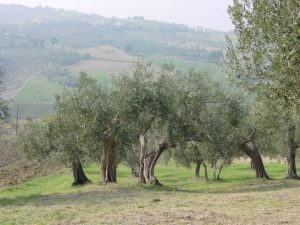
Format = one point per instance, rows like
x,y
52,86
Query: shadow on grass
x,y
259,185
227,187
115,192
20,200
109,194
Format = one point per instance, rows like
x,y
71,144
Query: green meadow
x,y
183,199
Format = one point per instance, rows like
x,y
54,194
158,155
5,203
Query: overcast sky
x,y
205,13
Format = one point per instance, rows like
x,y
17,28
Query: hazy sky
x,y
205,13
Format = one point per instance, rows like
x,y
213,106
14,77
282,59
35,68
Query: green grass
x,y
234,178
52,199
39,89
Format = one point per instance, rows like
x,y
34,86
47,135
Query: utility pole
x,y
17,120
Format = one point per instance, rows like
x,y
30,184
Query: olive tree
x,y
265,58
144,100
75,133
88,126
78,124
193,152
207,122
35,140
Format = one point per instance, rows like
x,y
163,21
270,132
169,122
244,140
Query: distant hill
x,y
47,41
134,35
18,14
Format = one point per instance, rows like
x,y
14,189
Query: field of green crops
x,y
39,89
30,110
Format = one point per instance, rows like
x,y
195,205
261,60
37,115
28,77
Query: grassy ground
x,y
238,199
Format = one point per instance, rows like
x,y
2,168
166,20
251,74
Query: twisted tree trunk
x,y
148,162
79,176
291,157
250,149
108,161
143,143
221,167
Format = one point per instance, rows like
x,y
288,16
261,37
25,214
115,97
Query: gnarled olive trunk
x,y
79,176
108,161
250,149
198,165
148,162
291,157
143,143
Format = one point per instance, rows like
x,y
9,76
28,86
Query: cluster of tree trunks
x,y
149,160
250,149
217,171
108,161
79,176
108,165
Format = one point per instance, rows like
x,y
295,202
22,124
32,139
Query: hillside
x,y
55,43
18,14
48,22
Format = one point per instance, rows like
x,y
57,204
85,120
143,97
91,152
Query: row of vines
x,y
30,110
